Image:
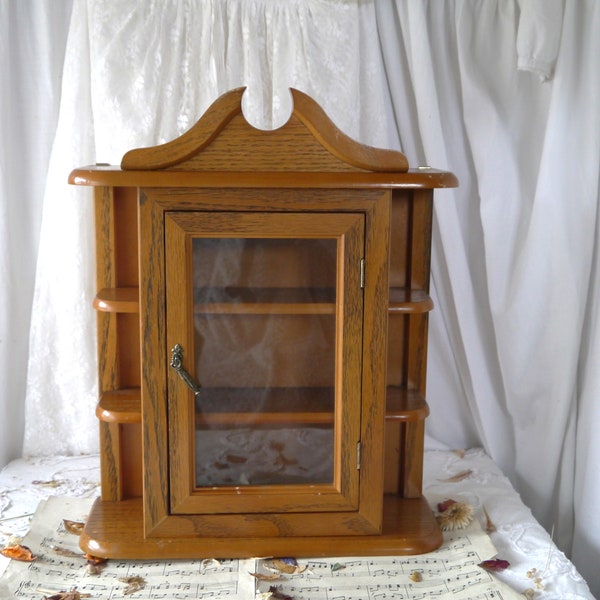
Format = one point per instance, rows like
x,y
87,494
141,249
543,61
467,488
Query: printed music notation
x,y
450,572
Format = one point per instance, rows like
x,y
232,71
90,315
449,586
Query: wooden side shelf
x,y
118,300
409,301
120,406
124,406
405,405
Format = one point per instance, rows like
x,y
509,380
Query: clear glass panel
x,y
265,344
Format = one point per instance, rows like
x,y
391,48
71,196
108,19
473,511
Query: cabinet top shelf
x,y
110,175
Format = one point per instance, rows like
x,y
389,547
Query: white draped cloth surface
x,y
505,94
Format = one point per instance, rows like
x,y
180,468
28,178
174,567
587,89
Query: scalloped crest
x,y
222,140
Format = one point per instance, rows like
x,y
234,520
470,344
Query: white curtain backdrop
x,y
32,45
505,94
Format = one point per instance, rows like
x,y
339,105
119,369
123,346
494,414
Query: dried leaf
x,y
416,576
18,552
266,576
288,566
337,567
74,527
489,524
234,458
459,476
275,593
494,564
134,584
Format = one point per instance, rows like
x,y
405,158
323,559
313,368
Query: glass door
x,y
264,327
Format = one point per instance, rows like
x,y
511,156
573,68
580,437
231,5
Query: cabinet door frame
x,y
159,519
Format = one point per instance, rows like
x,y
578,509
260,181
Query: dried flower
x,y
456,515
416,576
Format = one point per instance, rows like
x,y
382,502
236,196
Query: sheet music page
x,y
449,572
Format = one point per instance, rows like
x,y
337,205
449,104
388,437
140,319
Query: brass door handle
x,y
177,364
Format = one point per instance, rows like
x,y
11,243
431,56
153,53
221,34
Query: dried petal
x,y
416,576
70,595
494,564
66,552
275,593
74,527
95,564
445,505
18,552
52,483
460,452
285,566
134,584
489,524
459,476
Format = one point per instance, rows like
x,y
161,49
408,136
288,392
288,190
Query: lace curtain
x,y
506,94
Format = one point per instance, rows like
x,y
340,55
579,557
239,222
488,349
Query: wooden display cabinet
x,y
262,338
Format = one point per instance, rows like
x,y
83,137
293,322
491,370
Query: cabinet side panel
x,y
154,361
412,436
108,366
374,354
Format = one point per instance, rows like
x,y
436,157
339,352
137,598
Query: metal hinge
x,y
362,273
358,456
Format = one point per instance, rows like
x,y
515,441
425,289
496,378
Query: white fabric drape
x,y
501,94
515,249
32,45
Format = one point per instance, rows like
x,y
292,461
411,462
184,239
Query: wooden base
x,y
115,530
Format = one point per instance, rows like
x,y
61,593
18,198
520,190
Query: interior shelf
x,y
275,406
118,300
120,406
227,406
406,300
237,300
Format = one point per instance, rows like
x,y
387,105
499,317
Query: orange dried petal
x,y
18,552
